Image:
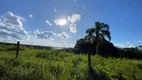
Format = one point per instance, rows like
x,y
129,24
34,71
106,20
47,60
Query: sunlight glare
x,y
62,22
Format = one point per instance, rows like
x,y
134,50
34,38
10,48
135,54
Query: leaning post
x,y
17,50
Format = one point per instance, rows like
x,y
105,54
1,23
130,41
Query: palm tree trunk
x,y
89,66
97,48
97,44
89,59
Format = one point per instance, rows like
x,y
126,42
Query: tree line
x,y
97,41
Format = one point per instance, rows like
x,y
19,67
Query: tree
x,y
89,39
96,35
100,31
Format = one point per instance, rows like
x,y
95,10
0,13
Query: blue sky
x,y
61,22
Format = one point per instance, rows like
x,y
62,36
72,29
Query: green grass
x,y
34,64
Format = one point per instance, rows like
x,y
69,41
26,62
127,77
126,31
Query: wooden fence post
x,y
17,50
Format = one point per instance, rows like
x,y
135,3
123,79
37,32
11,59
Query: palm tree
x,y
89,39
97,35
100,31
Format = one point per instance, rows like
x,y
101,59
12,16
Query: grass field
x,y
34,64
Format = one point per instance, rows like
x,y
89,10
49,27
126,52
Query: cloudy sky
x,y
61,22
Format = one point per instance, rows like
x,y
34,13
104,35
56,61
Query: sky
x,y
59,23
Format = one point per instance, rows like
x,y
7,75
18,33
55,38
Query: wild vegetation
x,y
92,54
34,64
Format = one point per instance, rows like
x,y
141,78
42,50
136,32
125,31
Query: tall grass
x,y
36,64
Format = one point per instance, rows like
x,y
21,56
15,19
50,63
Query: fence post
x,y
17,50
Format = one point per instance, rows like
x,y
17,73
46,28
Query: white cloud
x,y
140,41
50,38
55,10
41,34
45,34
63,35
125,45
12,26
47,42
12,20
60,21
72,28
47,21
74,18
30,15
11,30
48,35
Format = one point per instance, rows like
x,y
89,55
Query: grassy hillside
x,y
34,64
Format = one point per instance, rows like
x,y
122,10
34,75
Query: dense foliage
x,y
105,49
34,64
108,49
